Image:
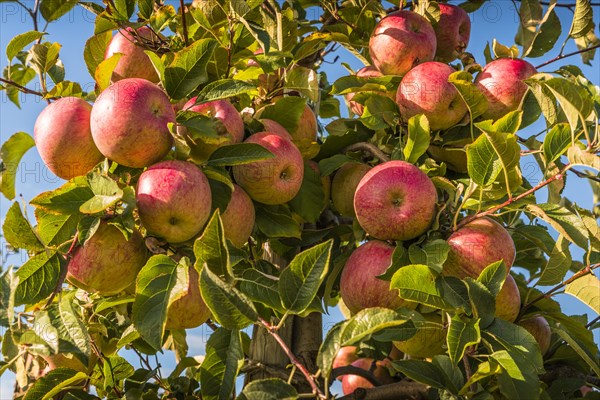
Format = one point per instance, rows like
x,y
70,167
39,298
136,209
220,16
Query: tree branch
x,y
183,22
396,391
561,56
21,88
368,148
352,370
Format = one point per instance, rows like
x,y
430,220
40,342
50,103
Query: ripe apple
x,y
501,81
401,41
107,263
275,127
352,382
345,356
226,114
343,186
453,155
275,180
134,63
425,90
129,123
365,72
430,339
238,218
359,286
188,311
540,330
508,301
325,182
174,200
452,32
64,140
395,201
476,245
306,132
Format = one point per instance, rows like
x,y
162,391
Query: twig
x,y
592,322
63,271
149,367
21,88
396,391
288,352
584,175
352,370
560,57
368,148
183,22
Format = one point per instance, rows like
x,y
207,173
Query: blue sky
x,y
496,19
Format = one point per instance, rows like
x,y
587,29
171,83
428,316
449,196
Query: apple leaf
x,y
302,278
54,9
276,221
587,290
95,49
493,277
475,100
160,282
563,221
578,156
380,111
516,380
483,302
238,154
43,56
268,389
461,334
557,142
116,369
18,231
260,283
304,80
65,89
588,355
310,200
55,229
67,199
491,154
419,283
287,111
223,89
418,138
558,264
17,43
104,70
433,254
223,360
229,307
38,277
106,193
544,97
575,101
54,383
73,335
583,19
421,371
11,153
188,68
210,249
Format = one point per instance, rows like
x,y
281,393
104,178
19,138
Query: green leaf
x,y
56,229
461,334
287,111
452,374
558,264
53,383
17,43
516,381
65,89
73,335
492,154
67,199
310,200
116,369
95,49
380,323
106,193
493,277
160,282
475,100
104,70
502,51
229,307
259,284
380,111
11,153
557,142
587,290
421,371
304,80
18,232
268,389
590,357
419,283
577,156
188,68
223,89
146,8
574,100
540,36
418,138
433,254
508,124
563,221
211,248
301,279
239,153
276,221
54,9
37,278
221,365
583,19
43,56
482,302
157,62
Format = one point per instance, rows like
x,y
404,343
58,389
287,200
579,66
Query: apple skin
x,y
352,382
508,301
108,263
425,90
275,127
129,123
174,200
401,41
188,311
540,329
359,286
452,32
229,117
476,245
365,72
134,63
395,201
238,218
64,140
345,356
501,81
275,180
307,127
343,186
429,340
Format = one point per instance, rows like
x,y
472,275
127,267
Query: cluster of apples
x,y
129,124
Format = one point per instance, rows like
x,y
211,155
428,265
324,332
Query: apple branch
x,y
183,22
370,149
352,370
307,375
396,391
21,88
561,56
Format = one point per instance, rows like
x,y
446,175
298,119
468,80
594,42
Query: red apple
x,y
359,286
275,127
401,41
345,356
364,72
452,32
352,382
306,132
238,218
275,180
107,263
174,200
476,245
395,201
508,301
426,90
134,63
189,310
343,186
64,140
129,123
501,81
540,330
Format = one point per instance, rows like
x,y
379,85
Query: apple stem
x,y
22,88
368,148
560,57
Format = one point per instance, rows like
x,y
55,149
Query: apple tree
x,y
213,176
